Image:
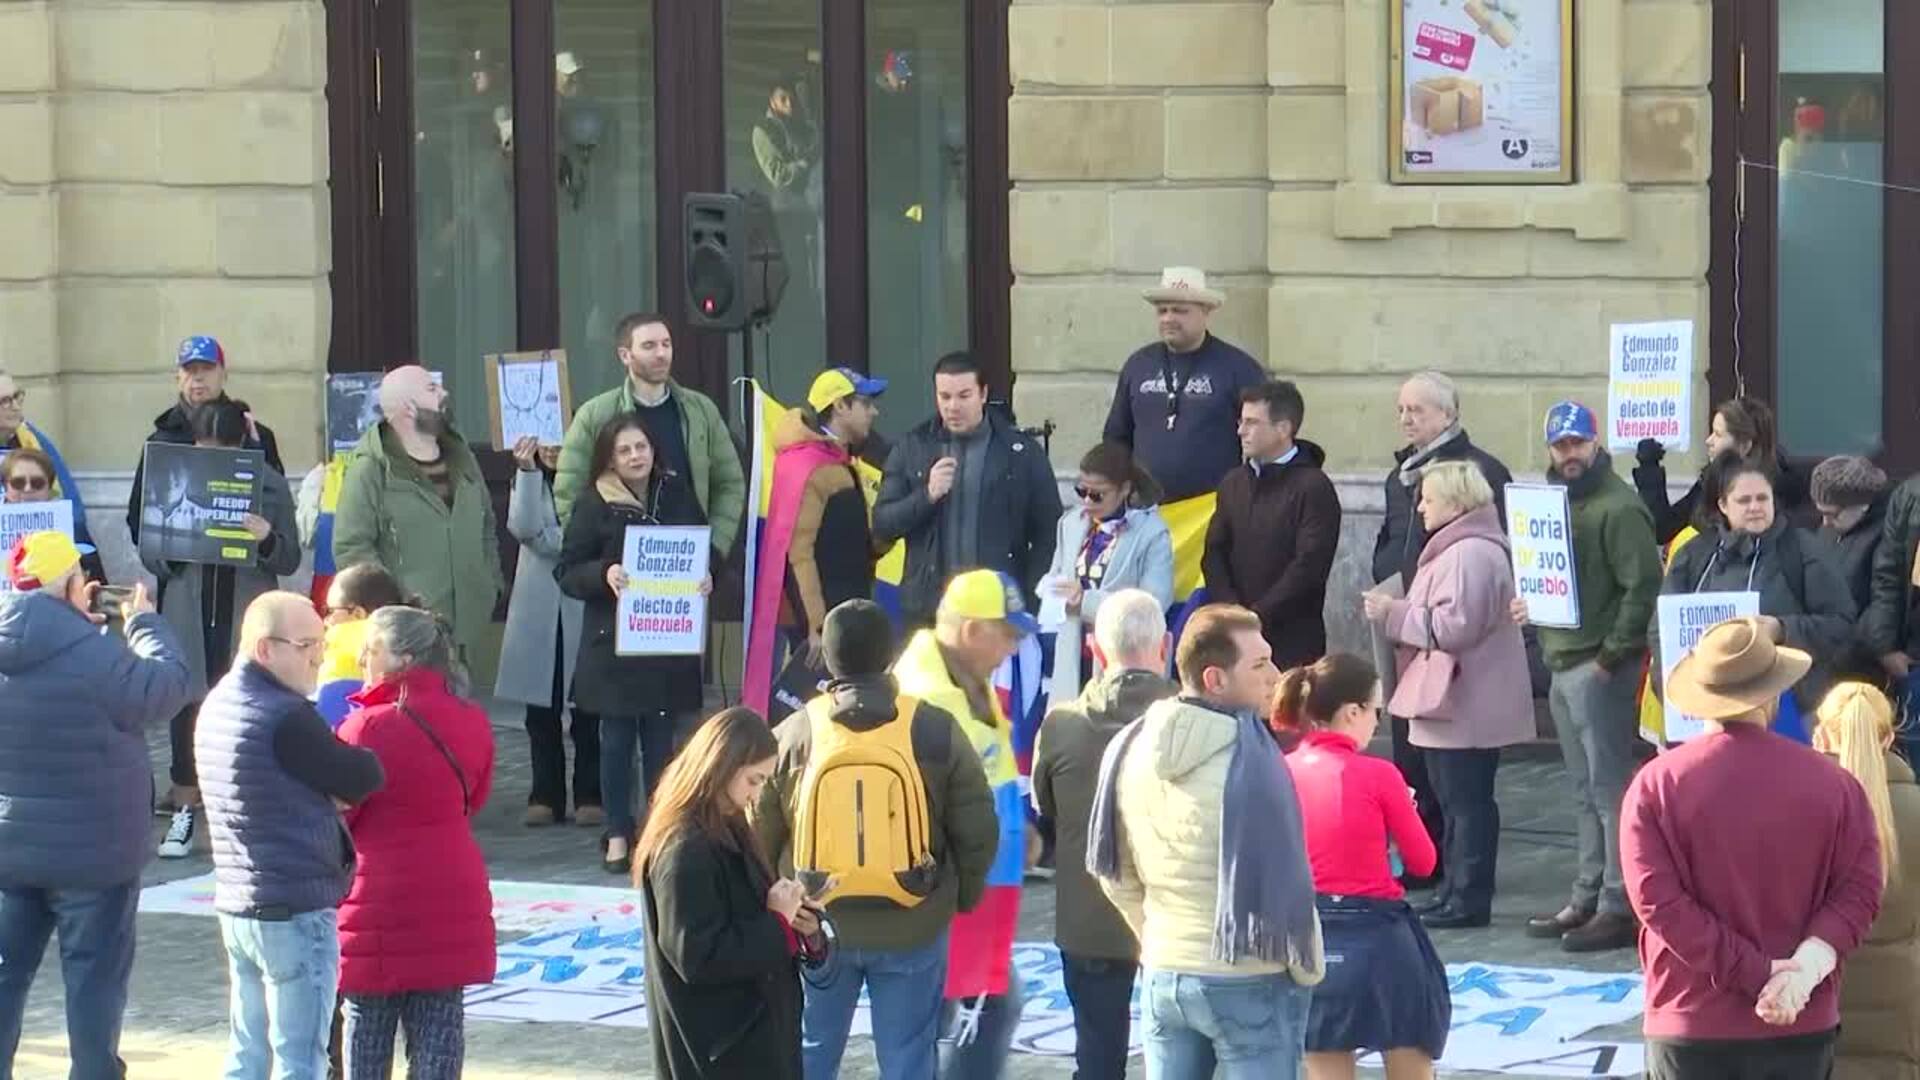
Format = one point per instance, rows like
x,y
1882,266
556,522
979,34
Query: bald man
x,y
414,502
274,777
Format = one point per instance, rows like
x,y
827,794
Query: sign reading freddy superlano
x,y
1650,384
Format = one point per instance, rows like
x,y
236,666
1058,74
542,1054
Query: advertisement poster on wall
x,y
1483,91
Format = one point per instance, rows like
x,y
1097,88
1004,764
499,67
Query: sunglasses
x,y
1085,492
29,483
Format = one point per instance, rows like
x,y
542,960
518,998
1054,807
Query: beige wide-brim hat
x,y
1185,285
1735,669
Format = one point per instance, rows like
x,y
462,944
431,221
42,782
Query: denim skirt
x,y
1385,989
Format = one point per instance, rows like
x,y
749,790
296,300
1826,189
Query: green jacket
x,y
1617,571
390,514
717,480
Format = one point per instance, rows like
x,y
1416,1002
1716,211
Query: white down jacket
x,y
1171,786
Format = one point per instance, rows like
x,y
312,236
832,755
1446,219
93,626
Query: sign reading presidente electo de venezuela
x,y
1540,528
1650,384
662,612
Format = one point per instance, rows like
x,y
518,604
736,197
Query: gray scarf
x,y
1263,906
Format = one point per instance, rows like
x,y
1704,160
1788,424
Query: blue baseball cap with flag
x,y
1571,420
201,349
988,594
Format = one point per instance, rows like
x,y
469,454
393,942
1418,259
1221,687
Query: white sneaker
x,y
179,841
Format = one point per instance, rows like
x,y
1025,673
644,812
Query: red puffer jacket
x,y
420,914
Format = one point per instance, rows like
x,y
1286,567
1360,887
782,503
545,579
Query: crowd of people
x,y
1201,787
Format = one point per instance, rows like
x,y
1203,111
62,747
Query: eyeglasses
x,y
28,483
301,644
15,400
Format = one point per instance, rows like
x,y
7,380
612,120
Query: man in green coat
x,y
1596,669
414,501
693,437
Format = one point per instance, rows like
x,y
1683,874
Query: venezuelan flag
x,y
323,565
340,674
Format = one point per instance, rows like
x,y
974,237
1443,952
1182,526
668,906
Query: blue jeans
x,y
283,976
655,735
905,989
1252,1027
96,960
983,1056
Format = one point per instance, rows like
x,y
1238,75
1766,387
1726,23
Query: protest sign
x,y
528,394
662,613
353,406
1540,527
1650,384
24,519
194,504
1683,619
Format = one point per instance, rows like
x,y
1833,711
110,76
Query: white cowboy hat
x,y
1185,285
1734,669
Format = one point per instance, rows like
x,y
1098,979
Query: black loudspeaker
x,y
736,272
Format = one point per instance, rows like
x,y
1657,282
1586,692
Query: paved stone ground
x,y
176,1022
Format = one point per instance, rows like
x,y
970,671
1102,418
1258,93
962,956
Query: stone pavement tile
x,y
176,1018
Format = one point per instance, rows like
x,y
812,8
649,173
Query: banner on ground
x,y
1540,527
1650,384
25,519
662,612
194,503
1683,619
518,906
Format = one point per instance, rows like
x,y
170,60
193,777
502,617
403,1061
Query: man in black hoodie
x,y
1098,951
899,953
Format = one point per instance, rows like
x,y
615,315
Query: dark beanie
x,y
1847,481
857,639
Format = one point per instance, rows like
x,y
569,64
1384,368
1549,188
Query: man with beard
x,y
414,502
201,370
1596,672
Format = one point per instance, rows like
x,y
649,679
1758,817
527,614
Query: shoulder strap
x,y
460,774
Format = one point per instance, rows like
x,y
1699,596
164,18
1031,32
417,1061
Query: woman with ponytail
x,y
1879,1008
417,926
1386,989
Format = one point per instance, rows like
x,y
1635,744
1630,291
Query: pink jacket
x,y
1458,605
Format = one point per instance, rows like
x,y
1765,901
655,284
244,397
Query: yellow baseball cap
x,y
988,594
835,383
41,557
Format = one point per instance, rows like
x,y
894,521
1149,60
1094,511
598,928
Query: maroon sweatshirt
x,y
1736,847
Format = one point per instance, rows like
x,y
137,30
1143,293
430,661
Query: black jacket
x,y
1017,525
1270,548
1889,624
1854,554
961,822
596,537
1403,536
173,426
1799,583
722,984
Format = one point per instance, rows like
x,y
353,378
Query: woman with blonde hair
x,y
1463,684
1879,1011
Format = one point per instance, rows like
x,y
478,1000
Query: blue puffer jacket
x,y
76,787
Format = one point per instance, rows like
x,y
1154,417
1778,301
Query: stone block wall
x,y
163,172
1251,139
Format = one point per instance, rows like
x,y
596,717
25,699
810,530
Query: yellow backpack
x,y
861,821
